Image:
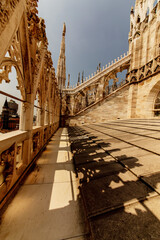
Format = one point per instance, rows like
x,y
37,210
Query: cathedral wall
x,y
144,33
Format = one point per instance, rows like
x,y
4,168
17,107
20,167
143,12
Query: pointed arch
x,y
151,99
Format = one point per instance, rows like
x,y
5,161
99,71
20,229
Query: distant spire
x,y
99,66
78,79
68,80
82,77
5,104
61,68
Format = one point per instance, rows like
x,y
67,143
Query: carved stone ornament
x,y
133,79
158,59
36,142
141,77
36,25
157,68
26,106
137,34
4,73
142,69
6,9
149,73
6,165
149,65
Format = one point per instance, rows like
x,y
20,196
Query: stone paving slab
x,y
138,221
78,144
137,124
113,202
114,144
132,151
112,191
83,159
143,165
153,180
87,149
134,139
46,173
149,144
91,171
31,215
155,135
122,135
132,128
92,156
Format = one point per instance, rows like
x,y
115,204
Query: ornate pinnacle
x,y
82,77
78,79
68,80
132,10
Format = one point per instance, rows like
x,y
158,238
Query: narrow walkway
x,y
47,206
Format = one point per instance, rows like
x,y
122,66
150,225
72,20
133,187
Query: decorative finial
x,y
68,80
132,10
82,77
78,79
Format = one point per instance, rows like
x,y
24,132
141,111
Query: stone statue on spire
x,y
61,68
68,81
64,30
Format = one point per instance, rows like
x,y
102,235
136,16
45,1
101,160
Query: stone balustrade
x,y
15,147
99,74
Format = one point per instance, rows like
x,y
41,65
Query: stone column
x,y
26,124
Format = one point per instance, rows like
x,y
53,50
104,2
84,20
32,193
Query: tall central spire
x,y
61,68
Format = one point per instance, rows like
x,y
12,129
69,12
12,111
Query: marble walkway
x,y
48,205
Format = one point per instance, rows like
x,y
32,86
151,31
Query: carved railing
x,y
13,154
11,159
117,63
145,71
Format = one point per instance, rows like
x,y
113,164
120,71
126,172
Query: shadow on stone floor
x,y
119,205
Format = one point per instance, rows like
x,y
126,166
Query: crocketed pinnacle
x,y
61,68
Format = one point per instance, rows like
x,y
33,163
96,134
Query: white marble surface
x,y
47,207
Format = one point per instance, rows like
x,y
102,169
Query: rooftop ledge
x,y
8,139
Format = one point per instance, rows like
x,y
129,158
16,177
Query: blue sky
x,y
97,31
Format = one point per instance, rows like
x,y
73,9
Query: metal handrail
x,y
21,100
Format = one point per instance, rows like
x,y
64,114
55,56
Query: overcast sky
x,y
97,31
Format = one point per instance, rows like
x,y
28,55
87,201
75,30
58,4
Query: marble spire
x,y
61,68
